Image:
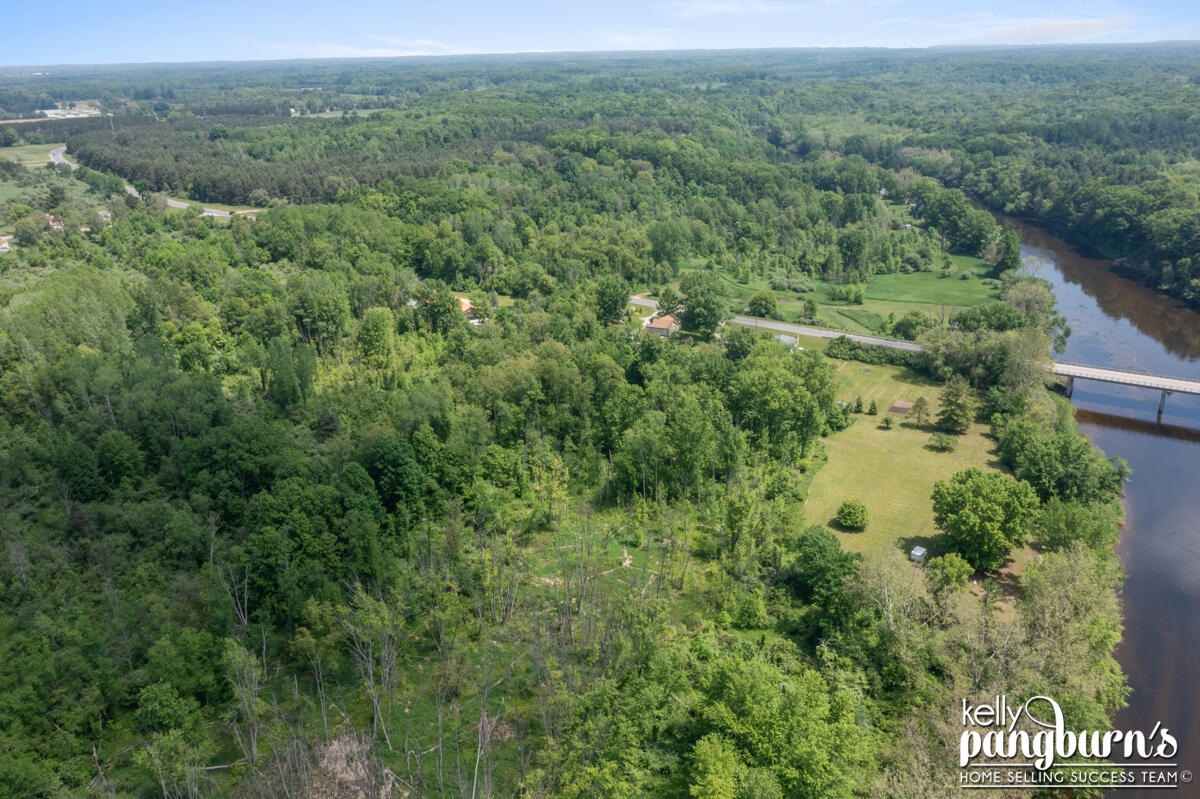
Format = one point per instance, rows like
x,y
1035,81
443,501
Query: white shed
x,y
917,555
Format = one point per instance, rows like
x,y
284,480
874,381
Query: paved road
x,y
800,330
57,155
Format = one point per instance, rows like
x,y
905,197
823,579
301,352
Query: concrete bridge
x,y
1126,377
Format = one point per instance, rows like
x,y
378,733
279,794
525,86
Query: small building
x,y
54,222
917,555
468,309
5,243
664,325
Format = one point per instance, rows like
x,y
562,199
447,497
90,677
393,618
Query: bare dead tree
x,y
237,588
374,630
288,772
246,677
316,663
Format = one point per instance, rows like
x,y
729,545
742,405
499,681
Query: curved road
x,y
799,330
57,156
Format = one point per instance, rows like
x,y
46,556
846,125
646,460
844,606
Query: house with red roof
x,y
664,325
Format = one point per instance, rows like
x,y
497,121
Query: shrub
x,y
887,422
752,611
848,349
942,442
763,304
781,282
853,515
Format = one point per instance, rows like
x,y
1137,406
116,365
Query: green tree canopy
x,y
983,515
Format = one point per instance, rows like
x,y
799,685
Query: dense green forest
x,y
280,518
1099,142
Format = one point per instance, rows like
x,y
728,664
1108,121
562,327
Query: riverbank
x,y
1121,324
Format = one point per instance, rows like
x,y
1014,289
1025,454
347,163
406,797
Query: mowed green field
x,y
891,471
888,294
30,154
931,288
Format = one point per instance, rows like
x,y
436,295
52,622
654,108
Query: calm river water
x,y
1115,322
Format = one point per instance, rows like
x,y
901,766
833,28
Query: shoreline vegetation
x,y
390,490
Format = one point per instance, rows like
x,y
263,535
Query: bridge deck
x,y
1126,377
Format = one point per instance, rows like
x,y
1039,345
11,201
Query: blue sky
x,y
105,31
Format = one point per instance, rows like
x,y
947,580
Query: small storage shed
x,y
917,555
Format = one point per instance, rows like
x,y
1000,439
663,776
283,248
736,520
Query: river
x,y
1118,323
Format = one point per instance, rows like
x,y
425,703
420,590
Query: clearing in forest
x,y
891,471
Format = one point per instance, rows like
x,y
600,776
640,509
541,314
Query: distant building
x,y
917,555
468,309
664,325
791,342
5,243
54,222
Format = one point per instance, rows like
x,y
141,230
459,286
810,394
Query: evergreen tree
x,y
958,406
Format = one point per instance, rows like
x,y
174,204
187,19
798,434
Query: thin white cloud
x,y
387,48
644,39
701,9
1051,29
424,45
991,29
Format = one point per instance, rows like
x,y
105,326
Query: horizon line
x,y
621,52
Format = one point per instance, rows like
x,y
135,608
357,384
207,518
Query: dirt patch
x,y
347,768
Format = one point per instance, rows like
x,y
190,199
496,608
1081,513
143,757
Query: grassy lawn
x,y
213,206
891,471
929,287
864,317
896,293
30,154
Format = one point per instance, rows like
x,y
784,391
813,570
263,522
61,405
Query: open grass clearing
x,y
32,155
932,288
886,294
891,471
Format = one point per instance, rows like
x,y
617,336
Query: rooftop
x,y
665,322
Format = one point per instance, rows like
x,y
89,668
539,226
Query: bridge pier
x,y
1161,383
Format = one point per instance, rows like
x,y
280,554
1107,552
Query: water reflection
x,y
1094,285
1118,323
